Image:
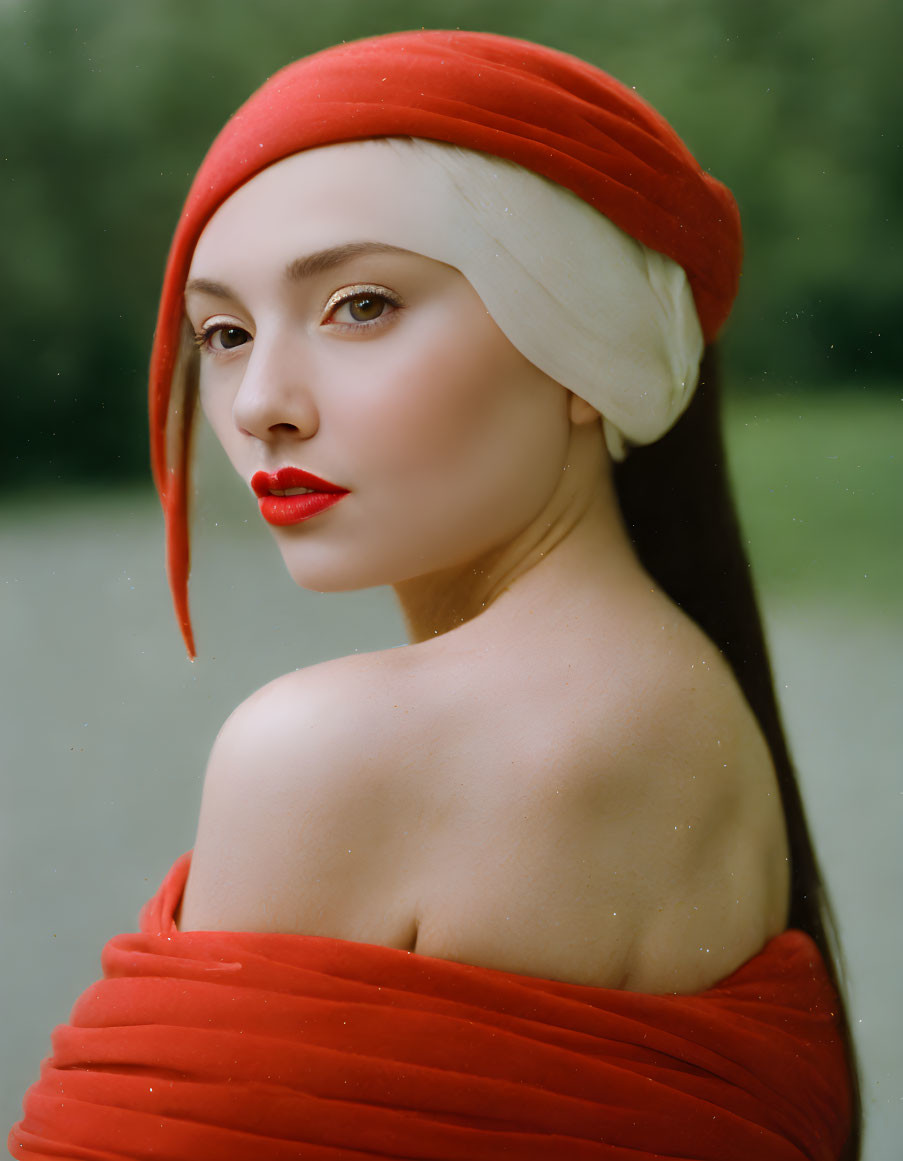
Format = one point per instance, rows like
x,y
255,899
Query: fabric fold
x,y
222,1045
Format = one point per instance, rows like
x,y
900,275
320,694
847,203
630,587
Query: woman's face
x,y
373,369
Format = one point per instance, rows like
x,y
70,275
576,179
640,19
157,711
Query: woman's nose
x,y
274,400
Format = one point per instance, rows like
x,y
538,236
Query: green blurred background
x,y
108,107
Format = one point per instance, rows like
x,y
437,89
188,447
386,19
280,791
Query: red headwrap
x,y
550,113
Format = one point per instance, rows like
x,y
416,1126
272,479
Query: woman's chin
x,y
345,575
327,581
332,576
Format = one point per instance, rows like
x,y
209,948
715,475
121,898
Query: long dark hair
x,y
676,501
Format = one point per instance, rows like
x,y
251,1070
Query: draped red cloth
x,y
238,1046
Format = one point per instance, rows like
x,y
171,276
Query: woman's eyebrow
x,y
205,286
322,260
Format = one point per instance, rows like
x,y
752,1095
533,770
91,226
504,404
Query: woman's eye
x,y
229,337
222,338
355,307
364,307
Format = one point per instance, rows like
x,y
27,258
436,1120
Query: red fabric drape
x,y
231,1046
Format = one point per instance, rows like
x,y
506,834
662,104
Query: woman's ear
x,y
580,412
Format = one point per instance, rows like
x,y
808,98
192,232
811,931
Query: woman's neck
x,y
576,545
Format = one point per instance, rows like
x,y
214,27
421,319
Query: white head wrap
x,y
597,311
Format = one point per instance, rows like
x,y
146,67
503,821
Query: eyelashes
x,y
358,308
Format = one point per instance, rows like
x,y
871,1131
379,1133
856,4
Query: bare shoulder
x,y
321,711
299,770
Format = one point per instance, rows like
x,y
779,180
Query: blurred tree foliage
x,y
108,107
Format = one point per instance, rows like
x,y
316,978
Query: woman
x,y
431,288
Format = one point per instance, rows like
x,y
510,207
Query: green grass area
x,y
818,483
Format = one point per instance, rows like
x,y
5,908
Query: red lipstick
x,y
276,507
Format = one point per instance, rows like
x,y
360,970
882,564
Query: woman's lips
x,y
292,495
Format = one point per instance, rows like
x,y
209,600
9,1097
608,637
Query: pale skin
x,y
558,776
